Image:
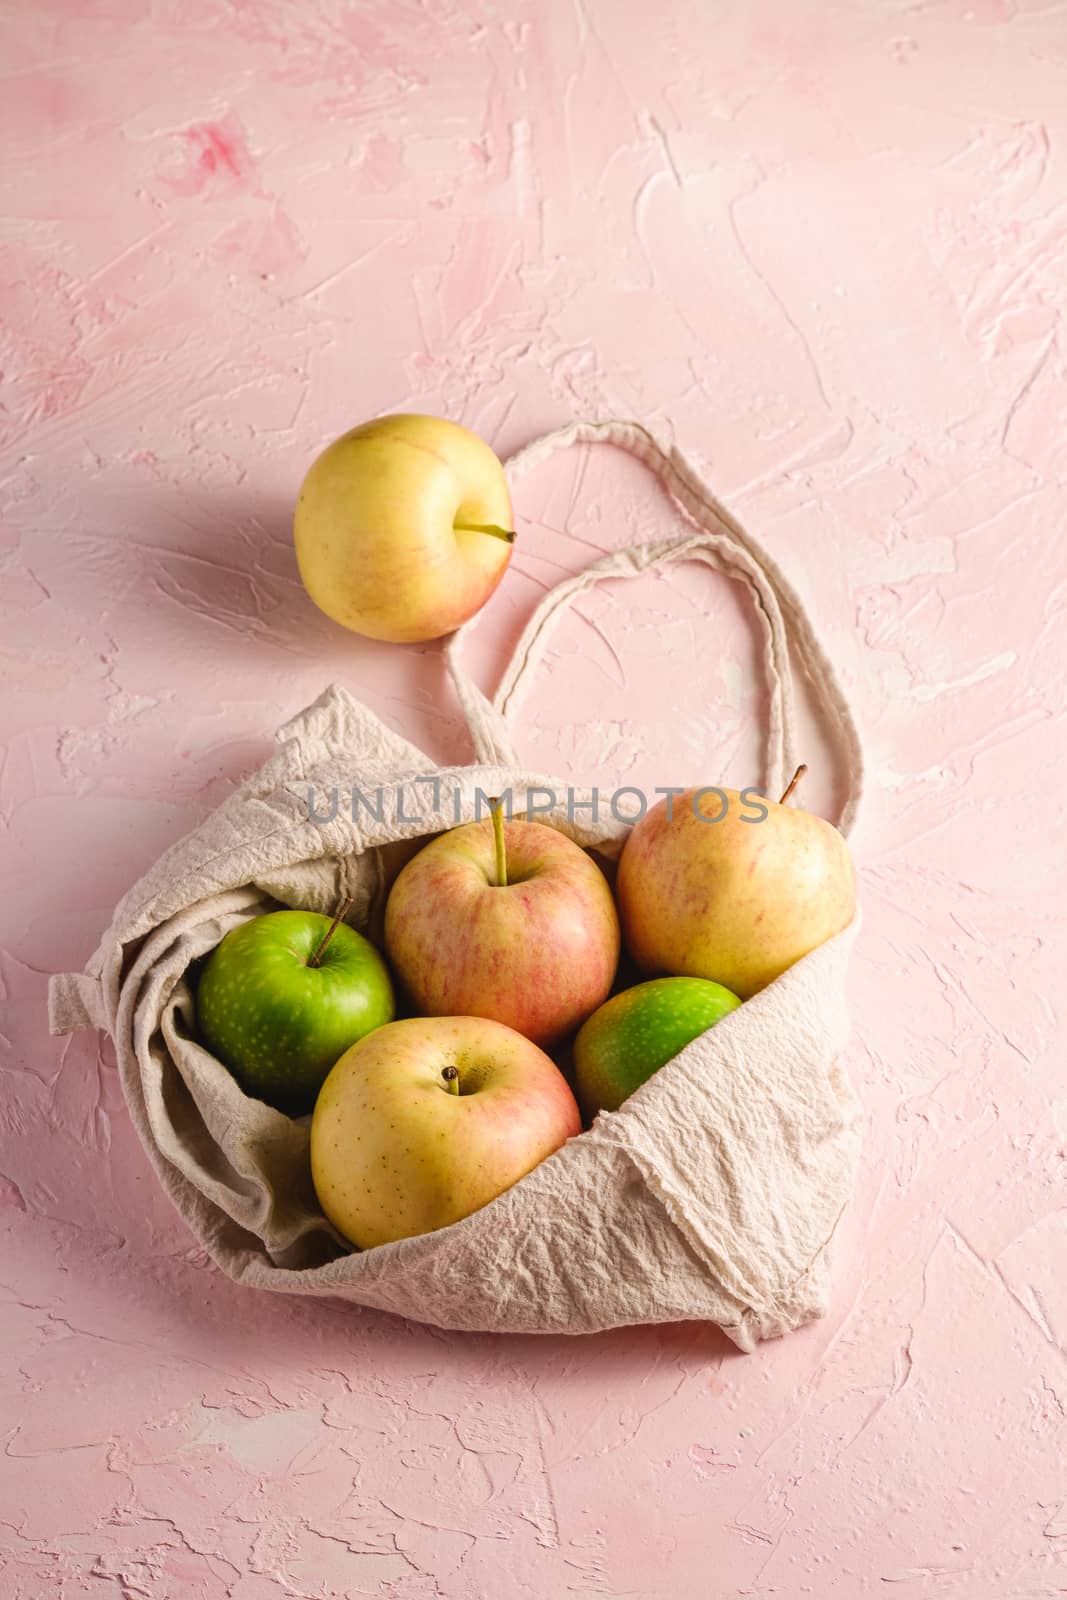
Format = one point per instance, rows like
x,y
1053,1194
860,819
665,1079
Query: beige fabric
x,y
713,1193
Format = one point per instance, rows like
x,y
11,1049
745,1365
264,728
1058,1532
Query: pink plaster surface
x,y
823,244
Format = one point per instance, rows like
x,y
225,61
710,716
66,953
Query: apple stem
x,y
451,1077
315,959
507,534
794,780
497,811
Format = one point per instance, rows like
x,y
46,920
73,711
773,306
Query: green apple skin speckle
x,y
280,1024
638,1031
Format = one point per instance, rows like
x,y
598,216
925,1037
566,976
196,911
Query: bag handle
x,y
722,543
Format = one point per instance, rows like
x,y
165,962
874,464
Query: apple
x,y
505,920
283,996
429,1119
638,1031
403,527
731,888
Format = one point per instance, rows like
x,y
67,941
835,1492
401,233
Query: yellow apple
x,y
427,1120
732,887
403,527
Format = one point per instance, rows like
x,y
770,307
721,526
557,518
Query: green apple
x,y
638,1031
282,998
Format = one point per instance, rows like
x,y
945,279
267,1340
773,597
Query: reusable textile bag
x,y
713,1193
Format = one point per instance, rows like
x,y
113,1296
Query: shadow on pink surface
x,y
225,576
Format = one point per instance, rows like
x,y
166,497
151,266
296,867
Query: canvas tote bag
x,y
713,1193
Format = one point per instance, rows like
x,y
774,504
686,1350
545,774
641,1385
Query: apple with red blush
x,y
507,920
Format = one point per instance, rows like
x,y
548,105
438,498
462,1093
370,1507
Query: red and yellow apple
x,y
505,920
427,1120
721,886
403,527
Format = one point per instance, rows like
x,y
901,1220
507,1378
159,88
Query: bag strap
x,y
721,542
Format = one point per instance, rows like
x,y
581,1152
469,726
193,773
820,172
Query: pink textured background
x,y
824,245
